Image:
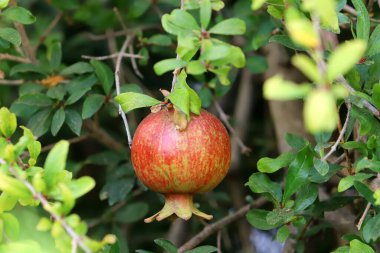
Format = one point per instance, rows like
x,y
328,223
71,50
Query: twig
x,y
360,223
11,82
14,58
48,30
219,241
46,205
71,141
101,136
340,137
120,33
214,227
353,12
112,56
223,116
134,63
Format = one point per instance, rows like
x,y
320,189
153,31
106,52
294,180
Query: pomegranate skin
x,y
192,161
180,164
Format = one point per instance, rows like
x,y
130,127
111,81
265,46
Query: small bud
x,y
164,92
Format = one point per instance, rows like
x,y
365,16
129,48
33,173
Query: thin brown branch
x,y
219,241
112,56
224,117
215,227
353,12
15,58
101,136
120,33
71,141
48,30
134,63
12,82
362,218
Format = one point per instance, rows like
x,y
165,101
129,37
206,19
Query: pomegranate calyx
x,y
178,205
180,120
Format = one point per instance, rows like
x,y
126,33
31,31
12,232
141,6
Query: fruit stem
x,y
178,205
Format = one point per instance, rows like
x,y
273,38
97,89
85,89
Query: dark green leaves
x,y
271,165
258,219
260,183
371,231
232,26
167,245
205,13
105,75
132,100
20,15
91,105
11,35
203,249
74,121
57,121
363,22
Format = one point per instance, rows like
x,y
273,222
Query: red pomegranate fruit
x,y
179,164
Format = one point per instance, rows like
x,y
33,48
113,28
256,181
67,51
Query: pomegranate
x,y
178,163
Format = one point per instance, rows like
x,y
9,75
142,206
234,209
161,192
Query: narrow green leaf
x,y
308,67
91,105
54,54
131,100
14,187
286,41
81,186
258,219
57,121
363,22
166,65
271,165
68,199
348,181
20,15
55,163
256,4
357,246
11,35
167,245
295,141
77,68
376,94
306,197
179,21
195,68
231,26
203,249
105,75
371,231
374,42
321,166
365,191
277,88
8,122
260,183
344,58
205,13
35,100
160,40
282,234
11,226
74,121
39,124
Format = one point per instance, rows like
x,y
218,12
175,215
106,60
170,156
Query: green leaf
x,y
348,181
308,67
91,105
105,75
39,124
203,249
277,88
188,45
271,165
215,52
27,67
77,68
365,191
205,13
295,141
4,4
256,4
280,216
365,163
8,122
29,246
282,234
132,212
20,15
14,187
371,230
11,35
179,21
57,92
363,22
68,199
343,249
344,57
81,186
57,121
131,100
258,219
376,94
231,26
306,196
11,226
55,163
167,245
195,68
321,166
74,121
35,100
260,183
357,246
298,172
206,97
7,203
326,10
160,40
374,42
286,41
166,65
54,54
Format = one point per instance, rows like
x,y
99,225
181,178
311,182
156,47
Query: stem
x,y
360,223
14,58
111,56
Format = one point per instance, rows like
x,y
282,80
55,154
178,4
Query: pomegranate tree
x,y
180,162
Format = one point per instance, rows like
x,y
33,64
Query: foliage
x,y
197,52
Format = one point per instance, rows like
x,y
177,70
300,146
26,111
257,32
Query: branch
x,y
223,116
112,56
48,30
48,208
120,33
340,137
102,136
353,12
11,82
360,223
215,227
14,58
134,63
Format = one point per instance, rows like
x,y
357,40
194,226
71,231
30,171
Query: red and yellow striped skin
x,y
191,161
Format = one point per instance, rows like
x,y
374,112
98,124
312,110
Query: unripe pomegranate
x,y
180,163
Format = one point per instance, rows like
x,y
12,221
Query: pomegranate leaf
x,y
231,26
131,100
203,249
205,13
179,21
167,245
166,65
55,163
